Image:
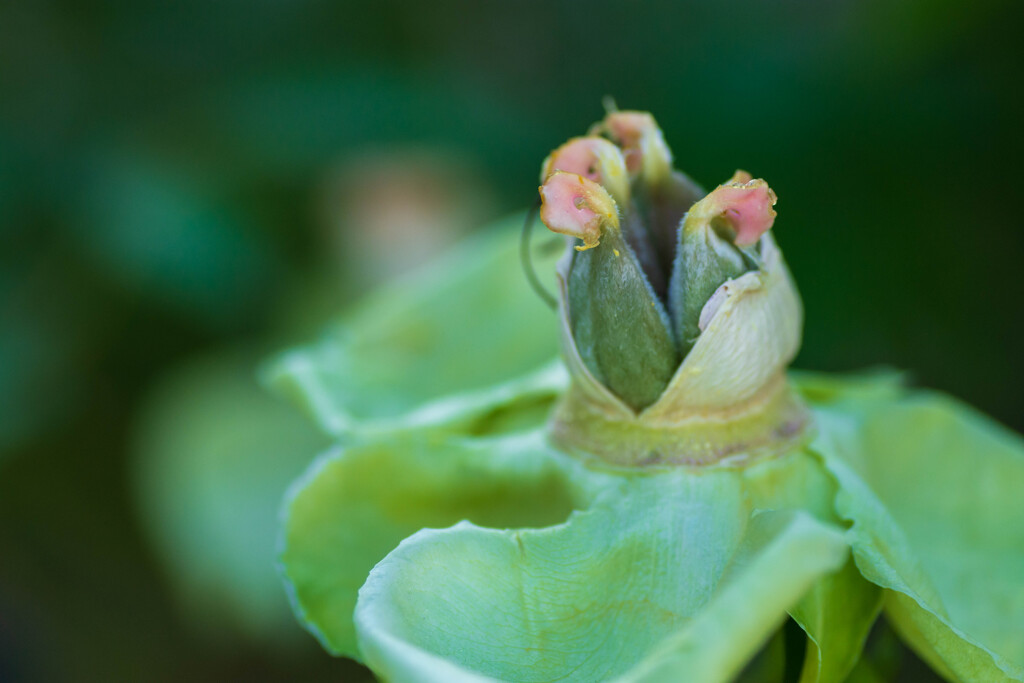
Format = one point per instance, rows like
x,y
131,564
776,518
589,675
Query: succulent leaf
x,y
466,325
356,504
932,490
676,507
669,577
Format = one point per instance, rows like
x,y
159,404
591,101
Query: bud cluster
x,y
656,251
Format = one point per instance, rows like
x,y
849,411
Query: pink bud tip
x,y
628,129
745,204
581,156
575,206
739,177
593,158
641,140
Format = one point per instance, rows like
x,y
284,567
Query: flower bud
x,y
593,158
661,194
684,369
716,243
599,160
574,206
643,145
619,327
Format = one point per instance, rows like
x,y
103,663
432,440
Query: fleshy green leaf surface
x,y
355,505
668,577
214,455
783,555
838,611
837,614
460,325
670,543
768,665
650,578
934,493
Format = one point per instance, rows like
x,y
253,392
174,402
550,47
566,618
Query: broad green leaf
x,y
458,326
665,577
839,609
783,555
933,490
768,665
837,614
886,659
873,384
214,455
356,504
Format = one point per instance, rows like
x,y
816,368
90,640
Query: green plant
x,y
654,509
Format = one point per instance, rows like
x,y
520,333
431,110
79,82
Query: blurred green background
x,y
186,187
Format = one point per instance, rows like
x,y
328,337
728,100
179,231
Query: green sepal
x,y
638,236
704,261
619,325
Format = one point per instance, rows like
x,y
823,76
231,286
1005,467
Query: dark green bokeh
x,y
159,163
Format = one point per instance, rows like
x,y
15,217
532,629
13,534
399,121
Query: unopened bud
x,y
619,326
643,145
593,158
671,357
711,248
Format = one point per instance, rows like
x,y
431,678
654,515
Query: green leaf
x,y
459,326
838,611
355,505
768,665
873,384
933,490
213,457
837,614
665,577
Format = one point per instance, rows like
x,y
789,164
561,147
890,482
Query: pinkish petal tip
x,y
593,158
745,204
739,177
642,142
576,206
